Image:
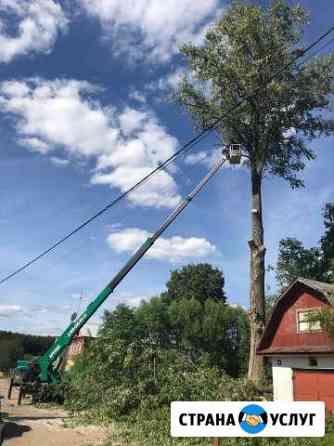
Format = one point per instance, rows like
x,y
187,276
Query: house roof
x,y
295,350
326,288
323,291
89,331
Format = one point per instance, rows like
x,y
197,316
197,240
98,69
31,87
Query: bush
x,y
134,385
168,349
10,351
51,393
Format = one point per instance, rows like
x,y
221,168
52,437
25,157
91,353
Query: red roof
x,y
295,350
280,335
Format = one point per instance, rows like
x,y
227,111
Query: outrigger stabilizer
x,y
29,376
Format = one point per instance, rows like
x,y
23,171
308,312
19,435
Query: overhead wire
x,y
310,56
186,147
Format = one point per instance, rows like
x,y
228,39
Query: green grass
x,y
125,434
328,440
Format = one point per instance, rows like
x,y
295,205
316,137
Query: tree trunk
x,y
257,276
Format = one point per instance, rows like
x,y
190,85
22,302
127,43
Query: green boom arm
x,y
47,373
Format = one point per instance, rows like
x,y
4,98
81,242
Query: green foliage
x,y
153,318
165,350
15,346
133,380
214,333
171,348
326,318
139,393
271,300
51,393
213,329
199,282
317,263
193,325
239,56
294,260
10,351
327,242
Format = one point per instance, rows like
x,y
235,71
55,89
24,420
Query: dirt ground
x,y
27,425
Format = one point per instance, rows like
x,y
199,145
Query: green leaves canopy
x,y
238,58
186,319
200,282
327,242
154,351
294,260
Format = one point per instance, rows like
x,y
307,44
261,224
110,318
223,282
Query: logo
x,y
253,419
247,419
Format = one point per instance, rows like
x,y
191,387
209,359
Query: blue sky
x,y
84,89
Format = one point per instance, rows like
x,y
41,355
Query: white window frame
x,y
309,328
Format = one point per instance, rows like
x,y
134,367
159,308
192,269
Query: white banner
x,y
247,419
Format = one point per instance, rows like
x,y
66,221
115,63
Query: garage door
x,y
309,385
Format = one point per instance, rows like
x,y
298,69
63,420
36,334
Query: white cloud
x,y
197,158
61,162
126,298
170,82
152,28
126,145
289,133
137,96
134,301
167,85
159,191
131,121
9,310
90,330
35,145
210,157
173,249
207,158
238,306
40,22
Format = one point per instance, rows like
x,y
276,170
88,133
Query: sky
x,y
85,112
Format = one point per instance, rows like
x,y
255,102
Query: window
x,y
313,362
307,321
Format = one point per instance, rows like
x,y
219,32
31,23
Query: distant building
x,y
77,347
301,353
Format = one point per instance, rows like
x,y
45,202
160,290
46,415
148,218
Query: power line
x,y
320,38
183,149
325,45
186,147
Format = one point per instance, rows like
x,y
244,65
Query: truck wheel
x,y
10,389
21,395
2,428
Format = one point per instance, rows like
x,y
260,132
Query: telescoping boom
x,y
27,375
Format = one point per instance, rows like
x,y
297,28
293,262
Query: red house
x,y
301,353
77,346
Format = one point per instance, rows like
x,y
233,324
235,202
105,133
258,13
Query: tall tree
x,y
191,317
238,57
201,282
